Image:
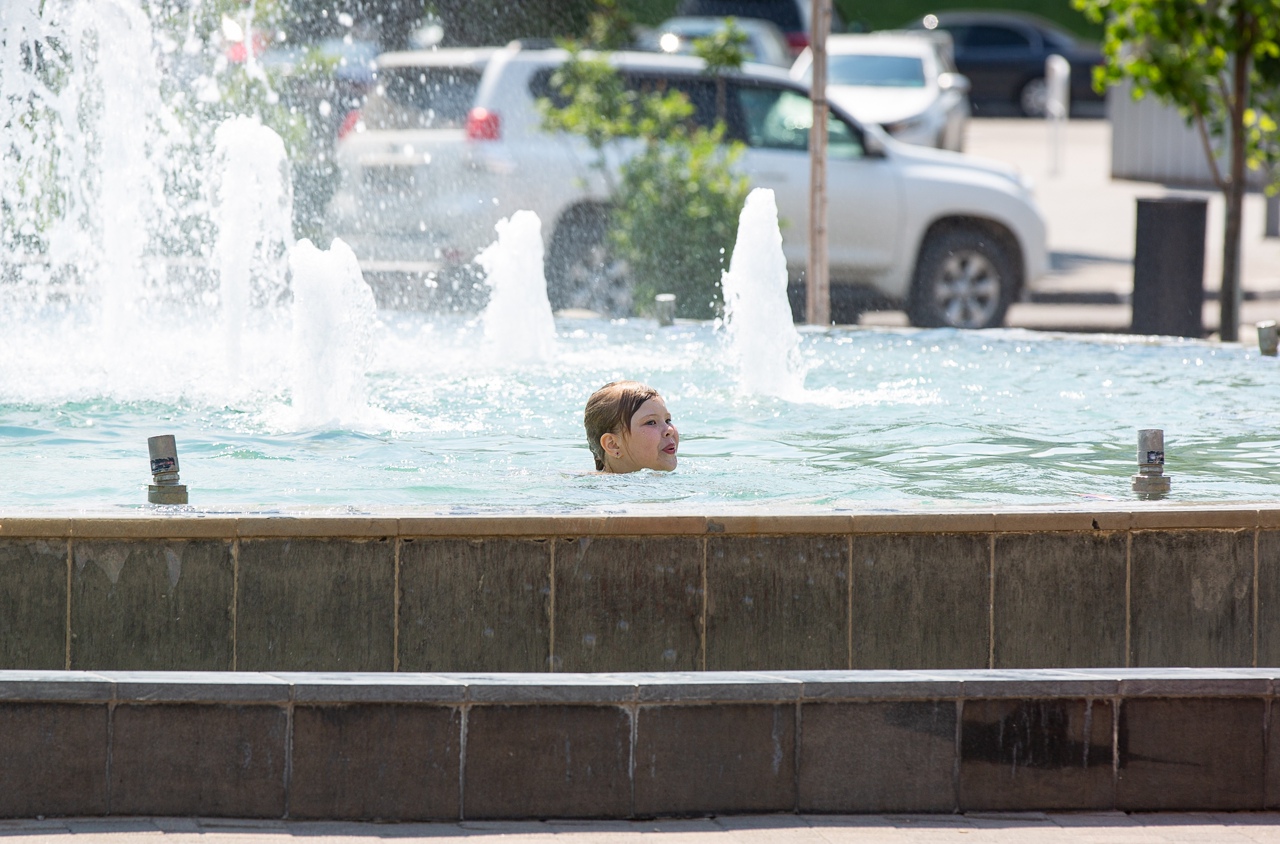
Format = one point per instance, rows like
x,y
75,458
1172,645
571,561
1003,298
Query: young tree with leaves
x,y
1218,62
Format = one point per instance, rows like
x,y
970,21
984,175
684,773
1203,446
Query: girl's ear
x,y
612,447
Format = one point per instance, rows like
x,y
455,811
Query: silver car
x,y
905,82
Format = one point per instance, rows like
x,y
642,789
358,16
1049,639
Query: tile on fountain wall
x,y
1187,754
198,759
1268,597
54,760
716,758
921,600
628,604
152,605
388,761
1025,754
475,604
316,605
1191,598
547,761
877,756
777,602
33,604
1059,600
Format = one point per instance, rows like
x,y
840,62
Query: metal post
x,y
817,285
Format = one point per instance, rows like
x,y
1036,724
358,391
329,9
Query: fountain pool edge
x,y
1143,586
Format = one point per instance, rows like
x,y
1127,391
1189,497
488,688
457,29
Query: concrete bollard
x,y
1268,337
664,307
165,488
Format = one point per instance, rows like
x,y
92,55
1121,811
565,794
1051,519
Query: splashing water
x,y
762,339
253,211
518,323
334,316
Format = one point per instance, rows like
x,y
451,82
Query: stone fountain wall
x,y
1142,588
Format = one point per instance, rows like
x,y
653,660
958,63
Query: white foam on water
x,y
334,319
763,341
518,323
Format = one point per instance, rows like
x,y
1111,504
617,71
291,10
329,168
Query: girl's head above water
x,y
629,428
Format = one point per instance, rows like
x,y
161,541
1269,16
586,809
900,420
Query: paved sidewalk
x,y
983,828
1091,221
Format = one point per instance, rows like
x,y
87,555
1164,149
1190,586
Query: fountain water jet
x,y
518,324
763,341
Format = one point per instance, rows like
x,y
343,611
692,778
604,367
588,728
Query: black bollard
x,y
1168,267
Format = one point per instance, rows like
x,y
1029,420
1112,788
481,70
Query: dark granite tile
x,y
776,602
198,759
921,600
1188,754
33,604
628,604
475,605
375,761
152,605
1059,600
878,756
1269,597
54,759
1272,784
547,761
719,758
1022,755
1191,597
316,605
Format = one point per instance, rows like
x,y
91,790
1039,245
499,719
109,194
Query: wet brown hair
x,y
609,410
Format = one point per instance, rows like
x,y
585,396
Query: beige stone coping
x,y
407,525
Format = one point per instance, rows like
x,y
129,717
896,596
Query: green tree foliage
x,y
1218,62
676,202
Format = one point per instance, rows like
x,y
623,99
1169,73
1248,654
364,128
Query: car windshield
x,y
886,71
422,97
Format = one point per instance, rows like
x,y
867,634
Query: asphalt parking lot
x,y
1091,228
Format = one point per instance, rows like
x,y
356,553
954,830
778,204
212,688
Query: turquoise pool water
x,y
882,419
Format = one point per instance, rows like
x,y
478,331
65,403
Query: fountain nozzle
x,y
165,488
1151,481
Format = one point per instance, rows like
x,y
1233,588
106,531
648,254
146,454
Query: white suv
x,y
951,239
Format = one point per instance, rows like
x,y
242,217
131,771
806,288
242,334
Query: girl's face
x,y
650,443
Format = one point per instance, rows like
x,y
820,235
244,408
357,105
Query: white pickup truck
x,y
450,142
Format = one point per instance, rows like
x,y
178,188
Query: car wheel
x,y
582,271
1033,98
965,278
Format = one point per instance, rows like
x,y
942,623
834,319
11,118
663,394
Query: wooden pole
x,y
817,286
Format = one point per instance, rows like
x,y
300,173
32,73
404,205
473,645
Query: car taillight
x,y
349,123
797,41
482,125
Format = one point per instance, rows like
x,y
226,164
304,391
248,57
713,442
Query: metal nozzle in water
x,y
1268,337
664,306
164,472
1151,481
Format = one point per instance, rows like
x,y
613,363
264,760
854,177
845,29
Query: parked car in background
x,y
949,238
766,43
1003,54
793,17
905,82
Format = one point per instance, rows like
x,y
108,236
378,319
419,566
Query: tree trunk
x,y
1230,294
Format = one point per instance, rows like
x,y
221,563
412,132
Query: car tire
x,y
965,278
582,271
1033,97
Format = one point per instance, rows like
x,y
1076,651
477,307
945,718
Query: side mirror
x,y
954,82
872,145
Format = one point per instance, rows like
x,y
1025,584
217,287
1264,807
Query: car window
x,y
779,118
986,37
699,90
785,14
889,71
422,97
